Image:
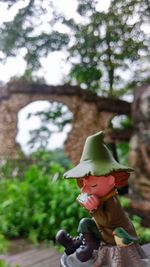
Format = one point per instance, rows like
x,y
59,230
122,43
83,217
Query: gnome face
x,y
98,185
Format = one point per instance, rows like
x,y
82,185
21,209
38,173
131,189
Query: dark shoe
x,y
85,251
70,244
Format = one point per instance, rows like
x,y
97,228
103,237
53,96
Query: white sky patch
x,y
68,7
146,28
61,28
116,121
12,68
103,5
8,14
54,68
24,125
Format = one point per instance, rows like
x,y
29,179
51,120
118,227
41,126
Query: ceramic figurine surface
x,y
108,235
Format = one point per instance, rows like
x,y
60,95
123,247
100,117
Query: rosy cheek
x,y
99,188
99,191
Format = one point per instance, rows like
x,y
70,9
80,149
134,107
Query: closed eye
x,y
94,185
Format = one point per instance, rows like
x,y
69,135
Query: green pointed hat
x,y
96,159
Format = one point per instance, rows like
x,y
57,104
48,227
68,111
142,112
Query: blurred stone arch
x,y
90,113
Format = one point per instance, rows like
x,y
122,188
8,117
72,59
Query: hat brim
x,y
88,167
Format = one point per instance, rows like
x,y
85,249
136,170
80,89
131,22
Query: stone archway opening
x,y
35,130
121,121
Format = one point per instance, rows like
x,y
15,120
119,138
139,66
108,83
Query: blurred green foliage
x,y
142,232
3,244
41,202
125,202
4,264
123,152
44,159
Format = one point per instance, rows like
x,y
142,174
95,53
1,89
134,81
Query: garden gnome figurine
x,y
98,175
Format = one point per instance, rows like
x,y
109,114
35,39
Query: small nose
x,y
83,188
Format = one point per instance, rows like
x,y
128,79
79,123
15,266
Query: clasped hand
x,y
91,202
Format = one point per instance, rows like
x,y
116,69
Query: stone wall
x,y
90,113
